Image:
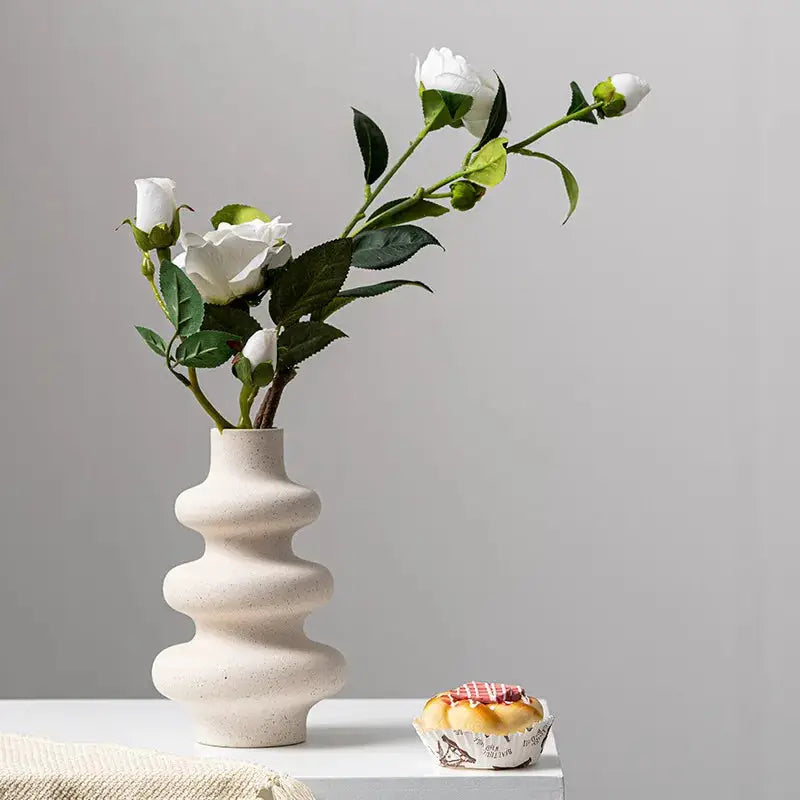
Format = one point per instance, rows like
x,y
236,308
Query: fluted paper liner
x,y
459,748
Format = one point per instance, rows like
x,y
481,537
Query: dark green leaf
x,y
332,307
183,301
231,319
205,349
372,143
389,247
419,210
497,116
373,290
442,108
153,340
578,102
236,213
310,281
299,342
570,184
348,295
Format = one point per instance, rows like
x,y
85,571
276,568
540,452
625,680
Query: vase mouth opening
x,y
245,431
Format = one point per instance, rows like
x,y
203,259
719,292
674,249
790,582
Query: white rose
x,y
228,262
155,203
262,347
442,70
621,93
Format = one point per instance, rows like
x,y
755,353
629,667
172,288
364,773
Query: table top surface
x,y
354,747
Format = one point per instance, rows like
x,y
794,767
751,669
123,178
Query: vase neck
x,y
254,452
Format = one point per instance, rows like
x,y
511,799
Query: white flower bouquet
x,y
209,292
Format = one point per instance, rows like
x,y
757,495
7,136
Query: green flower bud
x,y
465,194
148,268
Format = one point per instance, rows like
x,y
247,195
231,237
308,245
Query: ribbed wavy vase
x,y
250,675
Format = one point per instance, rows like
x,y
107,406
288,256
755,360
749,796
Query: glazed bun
x,y
493,708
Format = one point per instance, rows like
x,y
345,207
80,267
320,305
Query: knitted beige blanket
x,y
38,769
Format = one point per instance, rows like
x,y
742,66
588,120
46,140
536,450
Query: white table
x,y
356,749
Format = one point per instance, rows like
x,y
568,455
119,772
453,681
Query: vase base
x,y
232,733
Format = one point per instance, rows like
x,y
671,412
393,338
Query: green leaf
x,y
230,319
578,102
570,184
489,165
236,213
372,143
205,349
373,290
183,301
263,374
348,295
419,210
332,307
301,341
442,108
153,340
497,116
310,281
389,247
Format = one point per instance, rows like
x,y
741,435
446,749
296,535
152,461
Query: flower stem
x,y
421,194
371,194
159,299
246,398
269,406
205,403
515,148
468,156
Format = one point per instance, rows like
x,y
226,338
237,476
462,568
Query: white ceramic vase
x,y
250,674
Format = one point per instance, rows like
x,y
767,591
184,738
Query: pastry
x,y
497,708
484,726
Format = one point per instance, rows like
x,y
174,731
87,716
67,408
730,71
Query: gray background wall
x,y
573,467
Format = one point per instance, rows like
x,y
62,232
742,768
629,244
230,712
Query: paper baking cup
x,y
457,748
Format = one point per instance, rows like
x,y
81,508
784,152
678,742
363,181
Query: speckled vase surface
x,y
250,674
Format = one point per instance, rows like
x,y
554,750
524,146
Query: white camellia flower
x,y
155,202
449,73
228,262
621,93
262,347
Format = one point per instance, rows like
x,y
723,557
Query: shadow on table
x,y
547,761
347,737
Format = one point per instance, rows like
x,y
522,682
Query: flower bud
x,y
262,347
157,223
148,268
465,194
620,94
155,202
